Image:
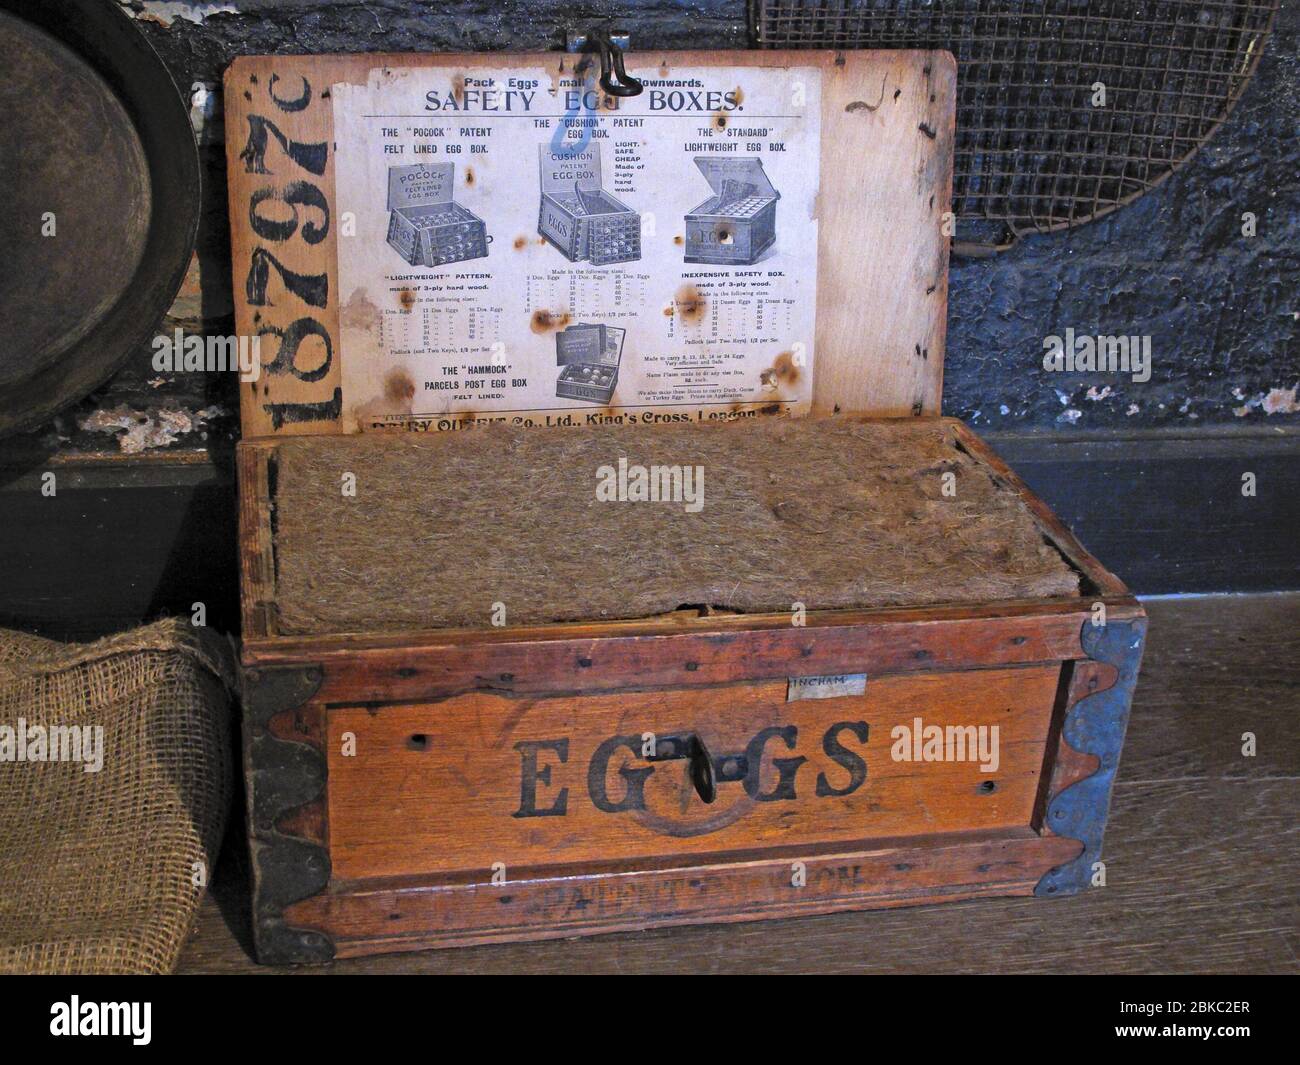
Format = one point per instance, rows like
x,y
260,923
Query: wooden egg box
x,y
737,224
683,717
578,216
426,226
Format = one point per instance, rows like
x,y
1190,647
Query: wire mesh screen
x,y
1038,146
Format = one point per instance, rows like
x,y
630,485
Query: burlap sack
x,y
103,871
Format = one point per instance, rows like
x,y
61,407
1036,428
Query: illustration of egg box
x,y
580,218
589,357
737,223
425,225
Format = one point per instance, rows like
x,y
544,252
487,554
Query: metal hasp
x,y
707,772
1094,725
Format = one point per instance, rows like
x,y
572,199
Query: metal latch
x,y
706,771
609,46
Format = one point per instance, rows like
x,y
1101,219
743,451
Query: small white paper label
x,y
826,687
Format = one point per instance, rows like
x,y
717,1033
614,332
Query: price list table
x,y
587,294
429,328
735,320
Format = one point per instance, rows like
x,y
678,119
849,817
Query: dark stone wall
x,y
1221,308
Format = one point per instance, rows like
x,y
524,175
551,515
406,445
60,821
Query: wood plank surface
x,y
1200,854
1128,496
377,918
886,171
459,784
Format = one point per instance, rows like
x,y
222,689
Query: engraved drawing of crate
x,y
613,238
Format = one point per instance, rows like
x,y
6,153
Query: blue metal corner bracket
x,y
1094,725
281,777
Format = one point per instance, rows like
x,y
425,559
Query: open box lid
x,y
582,344
585,344
563,172
421,185
723,174
859,143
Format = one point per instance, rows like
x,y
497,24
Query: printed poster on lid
x,y
526,219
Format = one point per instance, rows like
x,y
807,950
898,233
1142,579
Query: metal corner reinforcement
x,y
282,776
1094,725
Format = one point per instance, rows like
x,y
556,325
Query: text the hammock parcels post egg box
x,y
427,227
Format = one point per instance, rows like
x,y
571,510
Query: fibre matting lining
x,y
827,513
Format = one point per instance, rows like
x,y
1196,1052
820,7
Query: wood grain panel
x,y
280,166
610,656
473,780
886,166
384,917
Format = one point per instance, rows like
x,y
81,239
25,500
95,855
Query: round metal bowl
x,y
99,175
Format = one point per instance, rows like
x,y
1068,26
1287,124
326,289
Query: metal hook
x,y
611,66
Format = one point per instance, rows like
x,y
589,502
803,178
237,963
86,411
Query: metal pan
x,y
99,178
